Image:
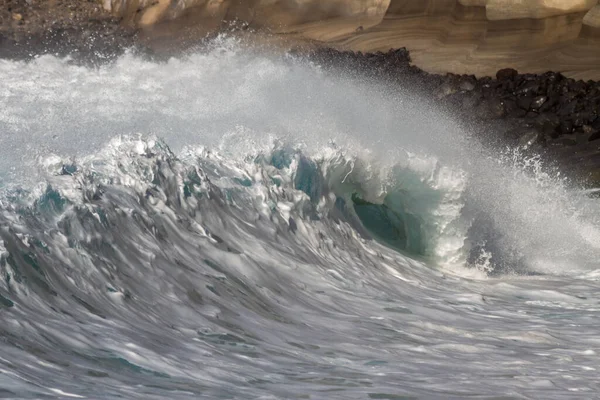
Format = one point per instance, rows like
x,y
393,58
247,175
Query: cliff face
x,y
592,18
459,36
478,36
272,13
287,13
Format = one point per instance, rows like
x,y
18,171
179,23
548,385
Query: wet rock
x,y
525,102
529,88
583,118
511,108
594,135
470,102
446,89
506,74
530,137
537,110
538,102
568,141
531,115
553,76
493,108
567,107
548,124
468,83
566,127
551,102
514,134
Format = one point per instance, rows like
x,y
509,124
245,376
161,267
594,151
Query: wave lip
x,y
136,265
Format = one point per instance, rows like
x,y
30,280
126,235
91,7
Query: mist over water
x,y
239,224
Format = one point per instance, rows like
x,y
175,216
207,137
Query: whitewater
x,y
236,223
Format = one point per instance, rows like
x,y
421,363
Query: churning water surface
x,y
240,225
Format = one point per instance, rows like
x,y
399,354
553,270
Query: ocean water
x,y
238,224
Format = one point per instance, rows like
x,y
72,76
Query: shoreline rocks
x,y
548,114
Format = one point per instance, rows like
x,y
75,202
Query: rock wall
x,y
286,13
458,36
274,13
478,36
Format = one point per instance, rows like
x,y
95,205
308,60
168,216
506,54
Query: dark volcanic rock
x,y
566,127
538,102
506,74
531,137
524,102
528,87
548,124
79,28
446,89
546,112
468,83
470,102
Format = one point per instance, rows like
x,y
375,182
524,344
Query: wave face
x,y
235,224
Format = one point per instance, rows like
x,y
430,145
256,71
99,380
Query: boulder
x,y
568,141
467,83
530,137
446,89
524,102
506,74
566,127
538,102
548,124
493,108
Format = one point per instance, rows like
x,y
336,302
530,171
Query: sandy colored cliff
x,y
460,36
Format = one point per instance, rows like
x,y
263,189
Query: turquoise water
x,y
241,225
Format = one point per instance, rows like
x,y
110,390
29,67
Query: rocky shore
x,y
548,113
79,28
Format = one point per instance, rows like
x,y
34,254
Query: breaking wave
x,y
276,232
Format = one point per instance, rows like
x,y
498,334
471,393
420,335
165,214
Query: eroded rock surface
x,y
457,36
